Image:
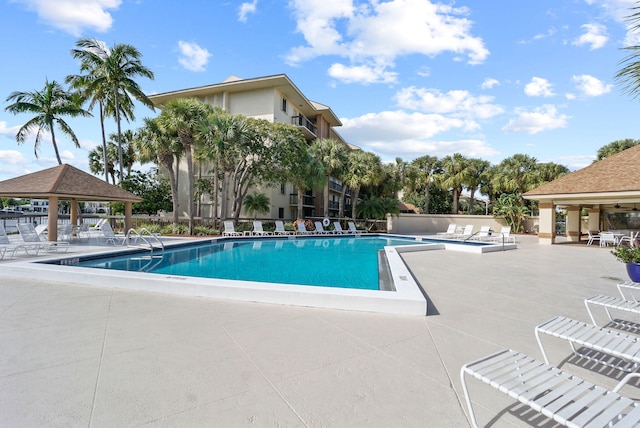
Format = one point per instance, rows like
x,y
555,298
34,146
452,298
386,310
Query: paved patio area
x,y
93,357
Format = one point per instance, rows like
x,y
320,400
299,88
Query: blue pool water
x,y
344,262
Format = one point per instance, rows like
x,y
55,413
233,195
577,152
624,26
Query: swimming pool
x,y
344,262
406,297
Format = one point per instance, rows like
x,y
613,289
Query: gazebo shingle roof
x,y
617,173
66,182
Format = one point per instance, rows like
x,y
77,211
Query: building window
x,y
283,189
284,104
280,212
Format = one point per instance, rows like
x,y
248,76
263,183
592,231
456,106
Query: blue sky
x,y
407,78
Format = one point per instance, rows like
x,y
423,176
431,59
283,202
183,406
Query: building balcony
x,y
305,126
307,201
334,206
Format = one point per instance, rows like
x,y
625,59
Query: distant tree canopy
x,y
615,147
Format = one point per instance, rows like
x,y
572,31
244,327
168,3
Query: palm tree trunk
x,y
104,144
473,191
300,209
117,105
223,201
216,195
426,199
343,194
354,204
190,175
455,201
326,198
55,146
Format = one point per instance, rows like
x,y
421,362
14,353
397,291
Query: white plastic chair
x,y
229,229
607,238
280,230
258,230
630,239
593,236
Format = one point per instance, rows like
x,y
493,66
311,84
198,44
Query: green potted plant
x,y
631,257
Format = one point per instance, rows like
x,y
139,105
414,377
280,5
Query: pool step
x,y
385,282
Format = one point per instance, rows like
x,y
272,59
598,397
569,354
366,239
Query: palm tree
x,y
517,173
181,118
425,168
125,153
333,156
629,74
475,175
363,169
257,203
49,106
97,162
453,176
154,145
110,80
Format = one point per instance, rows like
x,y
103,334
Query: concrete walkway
x,y
79,356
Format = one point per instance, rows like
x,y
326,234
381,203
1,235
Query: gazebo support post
x,y
594,219
52,224
74,211
128,210
573,223
547,232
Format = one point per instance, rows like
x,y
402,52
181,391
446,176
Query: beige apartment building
x,y
275,99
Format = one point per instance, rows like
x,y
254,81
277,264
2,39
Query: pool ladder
x,y
141,238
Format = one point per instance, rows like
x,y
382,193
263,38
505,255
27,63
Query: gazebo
x,y
65,182
612,184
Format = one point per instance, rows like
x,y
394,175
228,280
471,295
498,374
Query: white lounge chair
x,y
483,234
606,342
451,231
466,232
567,399
301,229
353,228
30,236
592,236
229,230
258,230
337,227
320,230
65,232
608,303
504,235
280,230
110,237
8,247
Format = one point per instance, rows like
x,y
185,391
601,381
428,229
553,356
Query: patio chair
x,y
631,239
607,238
337,227
451,231
30,236
258,230
280,230
65,233
9,247
353,229
229,230
320,229
110,237
606,343
565,398
592,236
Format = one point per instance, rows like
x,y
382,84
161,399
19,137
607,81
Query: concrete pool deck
x,y
73,355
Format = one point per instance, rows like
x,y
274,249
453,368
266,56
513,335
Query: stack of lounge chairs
x,y
565,398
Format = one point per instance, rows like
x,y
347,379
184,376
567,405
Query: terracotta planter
x,y
633,270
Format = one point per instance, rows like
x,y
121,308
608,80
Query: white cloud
x,y
489,83
591,86
409,135
74,16
246,9
376,32
595,36
539,119
12,157
362,74
457,103
192,56
6,130
539,87
575,162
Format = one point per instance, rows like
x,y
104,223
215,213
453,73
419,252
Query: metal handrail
x,y
475,233
139,235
